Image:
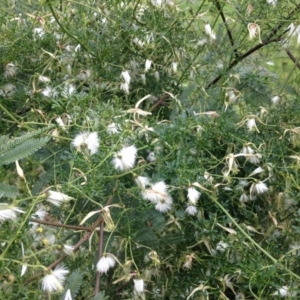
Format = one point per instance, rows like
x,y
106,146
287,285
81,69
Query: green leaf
x,y
100,296
3,140
9,191
23,150
186,92
7,144
73,284
290,90
32,134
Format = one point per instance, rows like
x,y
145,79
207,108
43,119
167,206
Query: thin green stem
x,y
100,252
23,224
289,76
189,66
66,31
12,117
200,50
131,254
274,260
134,11
191,22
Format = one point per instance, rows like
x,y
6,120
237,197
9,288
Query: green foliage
x,y
158,134
22,150
100,296
73,283
8,190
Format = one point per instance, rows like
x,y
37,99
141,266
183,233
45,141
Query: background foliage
x,y
205,89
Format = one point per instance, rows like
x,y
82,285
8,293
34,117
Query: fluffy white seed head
x,y
151,157
125,159
251,124
193,195
142,182
57,198
49,92
156,193
209,31
244,198
139,285
258,188
164,205
125,75
191,210
68,295
148,64
221,246
10,70
68,249
113,128
86,140
125,87
53,281
8,212
105,263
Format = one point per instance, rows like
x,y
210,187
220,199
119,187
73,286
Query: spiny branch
x,y
86,236
76,247
269,39
293,58
227,28
159,102
55,224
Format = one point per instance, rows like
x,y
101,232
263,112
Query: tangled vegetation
x,y
149,149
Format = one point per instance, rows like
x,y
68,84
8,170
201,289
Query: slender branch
x,y
76,247
236,61
19,231
100,250
227,28
160,101
287,78
293,58
60,225
267,40
100,246
11,116
195,16
134,16
79,243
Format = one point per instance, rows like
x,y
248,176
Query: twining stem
x,y
188,67
274,260
197,12
65,30
100,251
20,229
134,16
86,236
12,117
165,97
